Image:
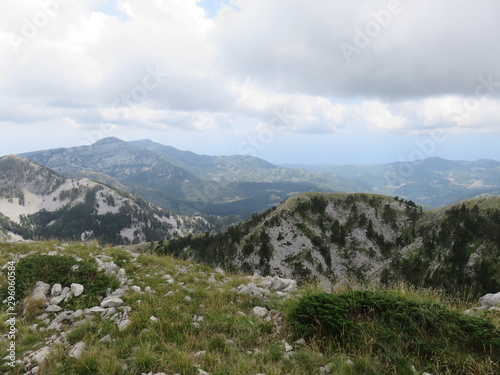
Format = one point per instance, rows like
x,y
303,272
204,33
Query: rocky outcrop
x,y
36,202
489,302
264,287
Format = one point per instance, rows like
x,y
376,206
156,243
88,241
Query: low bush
x,y
396,329
64,270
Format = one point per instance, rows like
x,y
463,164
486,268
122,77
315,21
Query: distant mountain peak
x,y
108,140
13,156
20,160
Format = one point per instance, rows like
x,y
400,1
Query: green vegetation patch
x,y
396,329
64,270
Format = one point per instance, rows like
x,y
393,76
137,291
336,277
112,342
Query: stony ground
x,y
164,316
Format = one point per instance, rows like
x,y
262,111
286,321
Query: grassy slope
x,y
170,344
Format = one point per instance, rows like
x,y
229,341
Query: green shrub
x,y
395,328
64,270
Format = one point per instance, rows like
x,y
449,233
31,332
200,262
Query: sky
x,y
289,81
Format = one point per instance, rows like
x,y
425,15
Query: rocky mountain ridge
x,y
36,202
360,238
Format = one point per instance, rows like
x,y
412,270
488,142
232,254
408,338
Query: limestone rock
x,y
111,302
40,292
77,314
120,275
120,292
56,300
260,311
68,297
41,354
56,290
76,350
106,339
123,325
490,300
300,341
53,308
252,289
135,288
95,309
77,289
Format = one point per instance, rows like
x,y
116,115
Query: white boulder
x,y
111,302
260,311
76,350
490,300
77,289
56,290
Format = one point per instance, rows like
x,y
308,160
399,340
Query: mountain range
x,y
321,228
186,183
103,191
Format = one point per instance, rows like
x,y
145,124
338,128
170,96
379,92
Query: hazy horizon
x,y
291,164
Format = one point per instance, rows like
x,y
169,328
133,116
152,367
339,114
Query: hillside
x,y
138,170
37,203
361,238
235,186
184,182
88,309
244,168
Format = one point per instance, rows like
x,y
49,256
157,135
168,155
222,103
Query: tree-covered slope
x,y
457,247
330,237
363,238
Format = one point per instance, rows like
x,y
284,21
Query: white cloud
x,y
257,62
428,48
291,112
378,116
